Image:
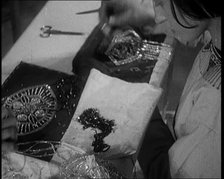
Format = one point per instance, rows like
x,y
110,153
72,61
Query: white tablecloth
x,y
57,51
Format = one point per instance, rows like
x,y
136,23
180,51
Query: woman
x,y
196,150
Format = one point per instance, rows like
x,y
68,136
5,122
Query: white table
x,y
57,51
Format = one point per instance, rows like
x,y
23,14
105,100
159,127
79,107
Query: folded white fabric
x,y
128,105
20,166
16,165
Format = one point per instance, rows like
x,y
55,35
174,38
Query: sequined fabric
x,y
34,108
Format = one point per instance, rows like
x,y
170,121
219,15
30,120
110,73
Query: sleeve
x,y
197,151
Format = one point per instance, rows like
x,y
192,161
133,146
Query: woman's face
x,y
168,24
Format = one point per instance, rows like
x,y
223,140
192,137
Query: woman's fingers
x,y
9,134
119,19
9,122
106,10
128,12
8,146
9,130
5,113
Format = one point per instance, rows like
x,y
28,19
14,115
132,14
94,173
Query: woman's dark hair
x,y
196,9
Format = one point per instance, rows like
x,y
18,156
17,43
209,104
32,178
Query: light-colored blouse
x,y
197,151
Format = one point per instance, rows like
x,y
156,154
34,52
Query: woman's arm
x,y
128,12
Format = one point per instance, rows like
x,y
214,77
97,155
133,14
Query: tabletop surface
x,y
57,51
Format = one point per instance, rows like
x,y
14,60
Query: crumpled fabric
x,y
197,151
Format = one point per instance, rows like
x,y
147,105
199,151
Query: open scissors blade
x,y
88,12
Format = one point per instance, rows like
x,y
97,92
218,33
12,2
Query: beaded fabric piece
x,y
34,108
128,46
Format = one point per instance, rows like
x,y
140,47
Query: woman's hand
x,y
9,131
136,13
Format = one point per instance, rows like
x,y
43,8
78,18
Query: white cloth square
x,y
130,105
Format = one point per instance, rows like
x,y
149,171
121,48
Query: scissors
x,y
47,30
88,12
